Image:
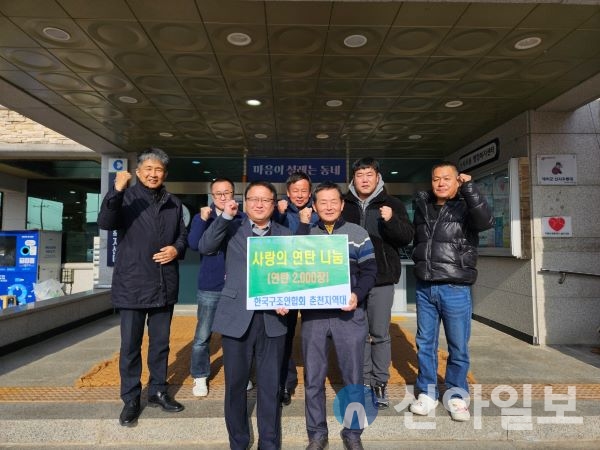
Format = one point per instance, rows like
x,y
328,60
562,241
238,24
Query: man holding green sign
x,y
248,334
346,325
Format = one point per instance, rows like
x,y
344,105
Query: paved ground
x,y
525,397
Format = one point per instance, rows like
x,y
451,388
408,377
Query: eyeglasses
x,y
266,201
222,194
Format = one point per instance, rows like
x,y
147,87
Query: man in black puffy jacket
x,y
145,283
384,217
447,222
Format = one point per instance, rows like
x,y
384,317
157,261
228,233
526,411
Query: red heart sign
x,y
556,223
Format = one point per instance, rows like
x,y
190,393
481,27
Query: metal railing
x,y
564,273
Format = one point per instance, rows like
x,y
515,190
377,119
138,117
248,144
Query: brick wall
x,y
18,129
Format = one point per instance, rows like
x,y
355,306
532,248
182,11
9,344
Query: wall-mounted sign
x,y
557,169
117,164
278,170
480,156
557,226
114,165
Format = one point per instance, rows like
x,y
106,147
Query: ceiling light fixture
x,y
260,136
128,99
239,39
72,192
206,172
453,104
195,162
355,41
322,136
165,134
56,34
528,42
394,172
253,102
415,137
334,103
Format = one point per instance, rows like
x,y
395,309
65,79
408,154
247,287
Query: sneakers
x,y
250,386
458,410
200,389
380,398
423,405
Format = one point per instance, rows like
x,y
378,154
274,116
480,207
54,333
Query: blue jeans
x,y
450,304
207,305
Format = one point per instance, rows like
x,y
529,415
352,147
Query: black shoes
x,y
163,400
285,397
318,444
130,413
352,444
132,409
380,398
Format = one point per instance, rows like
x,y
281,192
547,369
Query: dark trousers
x,y
348,331
289,373
130,358
237,361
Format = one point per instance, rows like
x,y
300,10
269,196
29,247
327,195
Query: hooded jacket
x,y
146,220
445,247
387,237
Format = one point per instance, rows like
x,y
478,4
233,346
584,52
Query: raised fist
x,y
121,180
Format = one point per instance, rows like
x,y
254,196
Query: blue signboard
x,y
19,251
114,165
277,170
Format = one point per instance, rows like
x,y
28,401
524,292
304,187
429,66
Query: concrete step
x,y
201,425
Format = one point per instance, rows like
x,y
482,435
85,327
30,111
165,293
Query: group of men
x,y
152,236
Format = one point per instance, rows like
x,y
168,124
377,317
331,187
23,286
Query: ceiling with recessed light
x,y
223,79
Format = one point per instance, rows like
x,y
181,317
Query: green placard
x,y
298,272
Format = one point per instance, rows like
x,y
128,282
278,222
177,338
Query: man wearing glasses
x,y
247,333
211,278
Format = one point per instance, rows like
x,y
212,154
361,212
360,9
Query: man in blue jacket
x,y
447,222
145,283
211,278
298,200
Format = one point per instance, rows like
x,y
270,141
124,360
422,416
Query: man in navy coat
x,y
248,333
145,282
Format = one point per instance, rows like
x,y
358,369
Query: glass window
x,y
44,214
495,188
68,206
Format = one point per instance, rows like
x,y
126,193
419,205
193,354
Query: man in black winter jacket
x,y
447,222
384,217
145,282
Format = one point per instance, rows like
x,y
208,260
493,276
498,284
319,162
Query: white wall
x,y
14,202
569,313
